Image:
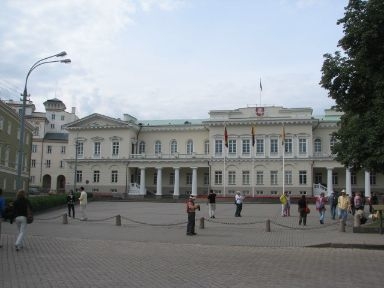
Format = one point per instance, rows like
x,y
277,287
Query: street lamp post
x,y
19,182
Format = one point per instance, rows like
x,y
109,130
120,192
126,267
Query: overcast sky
x,y
169,59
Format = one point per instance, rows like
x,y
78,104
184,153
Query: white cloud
x,y
160,58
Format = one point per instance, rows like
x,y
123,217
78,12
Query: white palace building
x,y
175,158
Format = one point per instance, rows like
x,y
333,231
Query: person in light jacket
x,y
83,204
239,203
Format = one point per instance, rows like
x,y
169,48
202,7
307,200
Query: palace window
x,y
218,177
302,177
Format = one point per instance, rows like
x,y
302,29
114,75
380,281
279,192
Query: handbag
x,y
29,215
307,210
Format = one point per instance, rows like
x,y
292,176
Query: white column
x,y
194,181
142,181
176,187
367,184
348,182
159,183
329,181
128,178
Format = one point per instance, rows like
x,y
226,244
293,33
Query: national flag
x,y
261,86
225,137
253,135
283,135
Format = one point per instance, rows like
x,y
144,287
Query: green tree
x,y
354,78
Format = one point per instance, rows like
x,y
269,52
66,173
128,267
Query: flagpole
x,y
283,142
253,160
253,172
225,173
225,156
261,89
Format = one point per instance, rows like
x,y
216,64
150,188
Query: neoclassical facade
x,y
264,151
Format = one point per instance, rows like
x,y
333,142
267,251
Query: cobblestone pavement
x,y
150,249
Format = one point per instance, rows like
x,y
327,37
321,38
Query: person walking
x,y
239,199
303,210
191,211
343,204
211,203
2,210
22,208
288,205
83,204
332,200
71,204
320,206
284,203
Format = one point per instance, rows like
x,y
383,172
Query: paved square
x,y
150,249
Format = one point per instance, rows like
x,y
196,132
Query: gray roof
x,y
56,136
172,122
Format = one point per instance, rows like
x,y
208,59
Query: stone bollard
x,y
201,223
268,226
65,218
342,226
357,219
118,220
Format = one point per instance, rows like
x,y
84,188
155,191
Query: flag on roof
x,y
225,137
253,135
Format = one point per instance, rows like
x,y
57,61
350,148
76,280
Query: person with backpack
x,y
2,210
332,200
320,206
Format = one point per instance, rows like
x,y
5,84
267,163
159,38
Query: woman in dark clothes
x,y
302,210
21,206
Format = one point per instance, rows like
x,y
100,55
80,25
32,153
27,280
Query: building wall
x,y
43,176
9,143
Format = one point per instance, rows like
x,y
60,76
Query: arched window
x,y
157,147
189,147
142,147
173,146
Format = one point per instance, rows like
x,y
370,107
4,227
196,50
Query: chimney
x,y
73,110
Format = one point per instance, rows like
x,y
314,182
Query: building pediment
x,y
97,121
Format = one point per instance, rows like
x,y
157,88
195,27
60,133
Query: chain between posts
x,y
209,220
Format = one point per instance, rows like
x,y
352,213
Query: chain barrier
x,y
233,223
209,220
95,220
303,228
152,224
47,219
